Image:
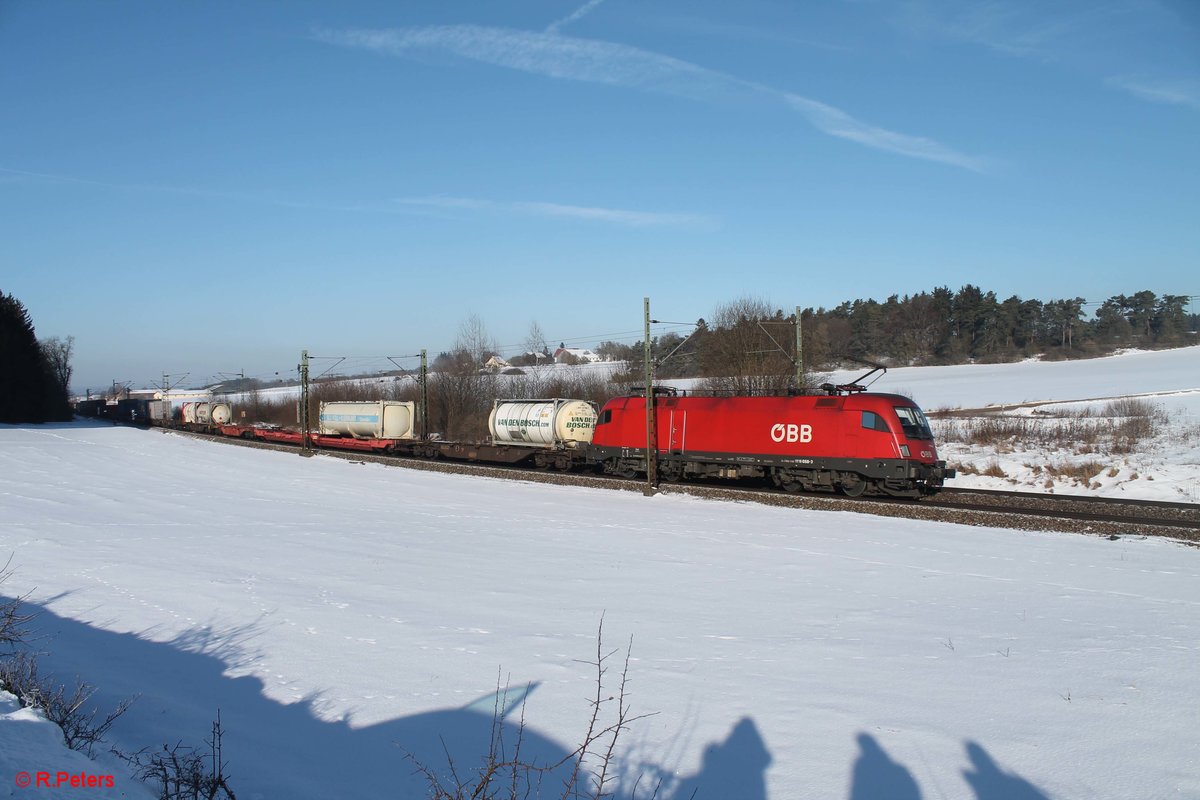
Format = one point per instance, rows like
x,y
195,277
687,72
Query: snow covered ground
x,y
1091,455
1069,395
340,615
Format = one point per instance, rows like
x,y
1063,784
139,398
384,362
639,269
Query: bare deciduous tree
x,y
474,341
58,355
535,340
747,351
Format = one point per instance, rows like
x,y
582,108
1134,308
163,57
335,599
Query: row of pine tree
x,y
34,376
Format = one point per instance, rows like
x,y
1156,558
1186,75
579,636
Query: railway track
x,y
1185,516
1019,510
1111,517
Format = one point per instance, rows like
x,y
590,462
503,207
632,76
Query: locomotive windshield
x,y
913,422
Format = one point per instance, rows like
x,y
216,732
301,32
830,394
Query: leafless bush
x,y
591,767
577,384
181,772
82,728
1122,426
459,404
1133,407
1080,472
994,470
12,621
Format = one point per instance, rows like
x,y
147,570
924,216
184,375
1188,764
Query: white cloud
x,y
1031,30
552,55
836,122
1176,93
579,12
443,201
594,61
617,216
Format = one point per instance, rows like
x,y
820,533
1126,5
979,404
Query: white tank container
x,y
383,419
542,423
201,413
220,413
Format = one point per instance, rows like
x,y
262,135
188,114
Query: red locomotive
x,y
854,443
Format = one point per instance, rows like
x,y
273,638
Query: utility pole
x,y
651,438
424,395
799,354
304,429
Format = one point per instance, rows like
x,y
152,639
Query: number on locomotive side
x,y
791,432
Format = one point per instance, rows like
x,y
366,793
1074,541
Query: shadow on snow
x,y
875,775
285,750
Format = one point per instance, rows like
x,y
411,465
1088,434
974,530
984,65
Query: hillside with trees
x,y
946,327
748,348
746,340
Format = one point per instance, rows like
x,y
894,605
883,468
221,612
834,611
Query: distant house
x,y
571,355
496,363
531,358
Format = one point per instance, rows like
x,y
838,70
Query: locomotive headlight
x,y
904,450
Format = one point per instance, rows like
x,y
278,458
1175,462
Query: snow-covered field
x,y
1093,457
341,614
1075,396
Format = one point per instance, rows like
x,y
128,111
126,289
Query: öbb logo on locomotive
x,y
791,432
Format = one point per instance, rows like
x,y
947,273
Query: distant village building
x,y
496,363
571,355
532,358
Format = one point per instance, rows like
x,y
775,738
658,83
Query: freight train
x,y
847,440
198,416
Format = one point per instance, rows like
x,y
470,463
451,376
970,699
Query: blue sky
x,y
210,187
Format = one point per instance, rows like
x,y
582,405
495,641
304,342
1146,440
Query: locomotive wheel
x,y
853,486
614,467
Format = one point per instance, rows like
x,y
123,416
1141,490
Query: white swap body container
x,y
542,423
160,410
382,419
